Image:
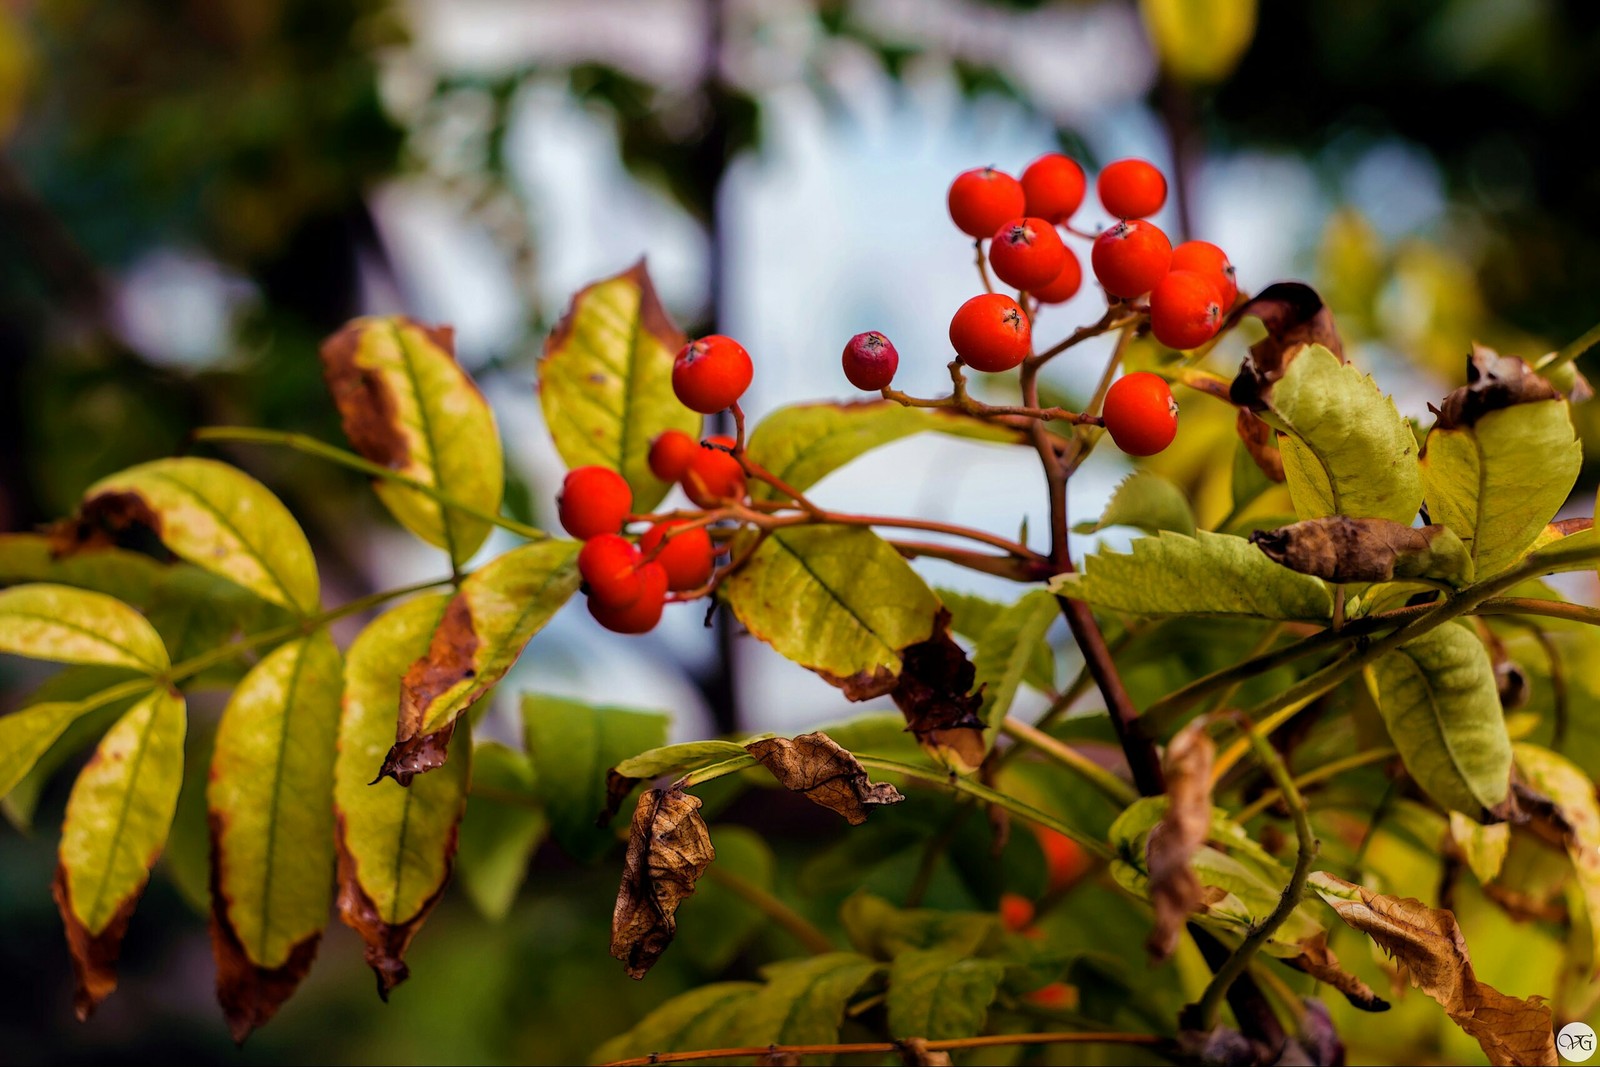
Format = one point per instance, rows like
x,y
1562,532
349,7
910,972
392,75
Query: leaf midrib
x,y
426,421
222,518
93,635
126,806
277,790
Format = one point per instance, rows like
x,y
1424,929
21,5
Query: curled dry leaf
x,y
1429,949
669,848
1341,549
1319,962
815,765
1294,315
1493,382
1175,889
1259,441
935,692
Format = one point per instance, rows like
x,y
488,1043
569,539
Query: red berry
x,y
641,615
686,555
1066,284
982,200
713,475
1053,186
870,361
670,454
1185,310
1203,257
593,501
1016,912
990,333
1131,257
1057,996
1140,414
1026,253
610,567
1132,189
711,374
1064,859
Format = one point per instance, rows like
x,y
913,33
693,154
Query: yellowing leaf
x,y
27,734
408,405
1199,41
67,625
1148,502
1007,650
128,576
605,381
1573,794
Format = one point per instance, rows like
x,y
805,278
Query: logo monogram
x,y
1576,1042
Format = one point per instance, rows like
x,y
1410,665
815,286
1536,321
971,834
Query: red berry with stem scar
x,y
609,565
1203,257
670,454
1132,189
641,614
593,501
714,476
711,374
1185,310
990,333
870,361
1066,284
687,554
1053,186
1140,414
1027,253
1130,258
982,200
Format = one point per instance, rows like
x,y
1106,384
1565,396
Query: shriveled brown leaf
x,y
1318,960
618,786
914,1052
1294,316
815,765
936,694
94,956
1341,549
1175,888
1260,440
367,408
1428,947
669,848
449,659
1493,382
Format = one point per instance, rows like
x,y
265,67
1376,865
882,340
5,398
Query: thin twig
x,y
1312,777
796,925
1114,788
946,1045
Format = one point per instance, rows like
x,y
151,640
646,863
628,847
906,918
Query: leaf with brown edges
x,y
1340,549
938,694
1260,441
1494,382
669,848
815,766
1294,315
1175,889
1320,963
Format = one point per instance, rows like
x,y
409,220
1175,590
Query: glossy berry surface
x,y
1130,258
670,454
990,333
870,361
1132,189
1140,414
609,565
1066,284
711,374
640,615
983,200
593,501
713,475
686,555
1203,257
1053,187
1027,253
1185,309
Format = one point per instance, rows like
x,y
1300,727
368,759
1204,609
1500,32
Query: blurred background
x,y
193,194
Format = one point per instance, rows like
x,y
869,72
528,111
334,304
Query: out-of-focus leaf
x,y
803,1001
502,826
700,1018
1175,889
186,860
1009,646
1148,502
669,848
128,576
720,921
939,995
487,624
605,381
1483,847
68,625
1338,549
407,405
1578,811
879,929
971,615
671,759
71,686
1199,43
825,774
27,734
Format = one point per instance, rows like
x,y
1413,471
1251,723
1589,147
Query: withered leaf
x,y
1429,950
1319,961
1294,315
1342,549
1175,889
385,943
669,848
109,520
936,694
1259,441
815,765
1493,382
94,956
449,659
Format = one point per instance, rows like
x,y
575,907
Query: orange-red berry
x,y
711,374
670,454
1057,996
1026,253
1185,309
1140,414
1053,187
643,612
686,555
1203,257
593,501
1131,257
609,565
714,476
1132,189
870,361
1066,284
990,333
1016,912
982,199
1064,859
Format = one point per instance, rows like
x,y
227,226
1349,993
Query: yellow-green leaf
x,y
28,734
971,616
1148,502
838,600
1573,792
219,518
409,406
939,995
1483,847
1208,574
605,381
128,576
1005,652
1438,699
700,1018
1199,41
67,625
803,1001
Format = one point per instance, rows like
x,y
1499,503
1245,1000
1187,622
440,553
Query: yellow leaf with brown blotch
x,y
669,848
1577,812
1175,888
815,766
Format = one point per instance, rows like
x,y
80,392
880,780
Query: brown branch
x,y
981,1041
1001,566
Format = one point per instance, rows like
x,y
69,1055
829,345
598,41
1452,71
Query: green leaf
x,y
720,921
195,611
970,616
838,600
940,995
128,576
503,825
1438,699
1347,450
700,1018
678,759
1497,482
1484,847
186,861
803,443
572,746
803,1001
73,686
1009,646
217,517
67,625
270,801
878,928
1149,502
1208,574
1573,792
409,406
605,381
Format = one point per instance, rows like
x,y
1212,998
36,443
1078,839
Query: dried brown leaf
x,y
1294,316
1341,549
1493,382
815,765
367,408
94,956
669,848
1260,440
1175,888
936,694
1318,960
450,658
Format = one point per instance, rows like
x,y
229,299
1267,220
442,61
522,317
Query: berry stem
x,y
1116,317
983,266
960,400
